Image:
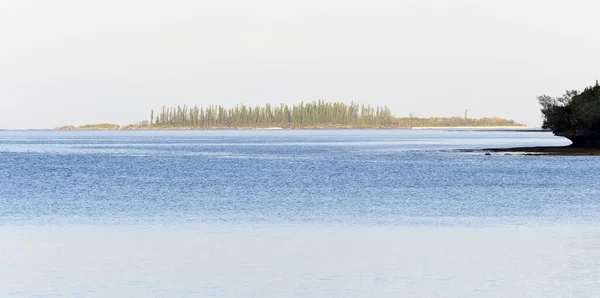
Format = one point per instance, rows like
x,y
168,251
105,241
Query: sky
x,y
74,62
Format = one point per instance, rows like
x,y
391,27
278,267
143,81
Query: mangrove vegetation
x,y
575,115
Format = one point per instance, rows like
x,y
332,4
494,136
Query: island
x,y
310,115
102,126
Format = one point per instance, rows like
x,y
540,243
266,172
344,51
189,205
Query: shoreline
x,y
502,127
126,128
539,150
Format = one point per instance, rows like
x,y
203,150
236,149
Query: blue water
x,y
306,213
310,176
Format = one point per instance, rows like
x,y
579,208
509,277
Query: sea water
x,y
309,213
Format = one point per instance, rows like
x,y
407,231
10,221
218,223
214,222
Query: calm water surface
x,y
295,213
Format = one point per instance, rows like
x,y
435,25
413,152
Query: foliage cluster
x,y
312,114
574,113
101,126
304,115
452,122
316,114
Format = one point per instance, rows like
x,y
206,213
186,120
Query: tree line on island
x,y
315,114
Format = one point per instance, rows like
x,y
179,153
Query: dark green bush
x,y
574,113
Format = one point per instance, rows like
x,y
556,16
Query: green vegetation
x,y
316,114
453,122
102,126
575,115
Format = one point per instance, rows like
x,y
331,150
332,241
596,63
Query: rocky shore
x,y
564,151
571,150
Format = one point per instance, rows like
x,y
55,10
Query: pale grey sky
x,y
76,61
